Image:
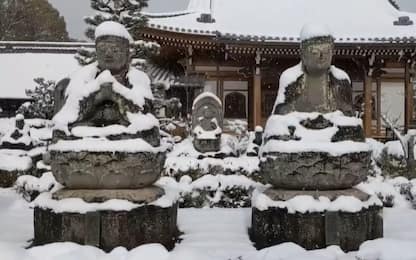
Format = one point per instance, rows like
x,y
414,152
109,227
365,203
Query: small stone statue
x,y
314,85
207,123
19,138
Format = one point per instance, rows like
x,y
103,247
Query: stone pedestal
x,y
315,170
108,229
317,229
106,170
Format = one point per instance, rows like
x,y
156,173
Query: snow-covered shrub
x,y
392,161
232,191
30,186
42,102
393,192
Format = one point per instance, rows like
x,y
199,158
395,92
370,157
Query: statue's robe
x,y
338,97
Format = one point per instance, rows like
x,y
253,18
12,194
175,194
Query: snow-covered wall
x,y
17,70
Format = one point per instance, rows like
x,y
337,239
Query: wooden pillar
x,y
368,89
257,100
408,98
257,92
378,80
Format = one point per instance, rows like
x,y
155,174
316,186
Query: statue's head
x,y
20,121
317,46
112,42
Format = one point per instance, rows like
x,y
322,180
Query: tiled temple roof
x,y
351,21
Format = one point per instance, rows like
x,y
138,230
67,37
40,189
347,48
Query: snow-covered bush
x,y
42,102
225,191
30,186
392,164
390,158
393,192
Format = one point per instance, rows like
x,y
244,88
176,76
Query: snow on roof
x,y
110,28
282,20
17,71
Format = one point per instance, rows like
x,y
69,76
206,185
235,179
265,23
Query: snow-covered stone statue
x,y
207,123
14,150
314,85
106,145
19,138
314,153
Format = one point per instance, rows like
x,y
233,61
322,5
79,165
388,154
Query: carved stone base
x,y
143,195
315,170
207,145
106,170
316,230
108,229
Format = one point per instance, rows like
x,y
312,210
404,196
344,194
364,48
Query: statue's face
x,y
317,57
112,53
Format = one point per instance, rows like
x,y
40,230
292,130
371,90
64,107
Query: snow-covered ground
x,y
208,234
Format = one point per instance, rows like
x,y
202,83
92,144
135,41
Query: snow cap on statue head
x,y
111,28
314,32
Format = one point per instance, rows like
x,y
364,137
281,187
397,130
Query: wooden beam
x,y
368,87
257,100
408,100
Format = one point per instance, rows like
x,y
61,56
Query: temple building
x,y
239,48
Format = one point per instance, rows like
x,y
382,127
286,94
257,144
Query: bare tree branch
x,y
403,139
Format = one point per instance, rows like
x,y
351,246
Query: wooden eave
x,y
290,49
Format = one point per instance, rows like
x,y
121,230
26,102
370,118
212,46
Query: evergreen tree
x,y
126,12
42,102
31,20
394,4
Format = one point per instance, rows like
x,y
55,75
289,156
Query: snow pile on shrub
x,y
30,186
14,162
185,160
397,192
389,157
231,191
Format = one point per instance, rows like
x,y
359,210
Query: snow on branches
x,y
42,102
126,12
